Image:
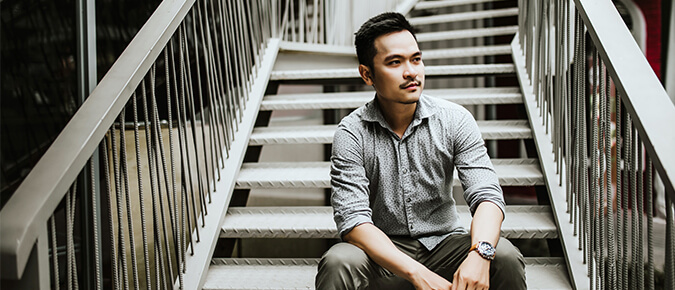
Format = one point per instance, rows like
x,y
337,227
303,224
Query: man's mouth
x,y
410,85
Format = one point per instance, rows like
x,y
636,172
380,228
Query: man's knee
x,y
508,267
343,266
343,255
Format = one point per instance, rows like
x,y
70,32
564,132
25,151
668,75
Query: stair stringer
x,y
577,269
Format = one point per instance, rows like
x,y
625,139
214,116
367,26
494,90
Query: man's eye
x,y
417,59
394,62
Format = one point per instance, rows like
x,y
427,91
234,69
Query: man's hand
x,y
473,273
425,279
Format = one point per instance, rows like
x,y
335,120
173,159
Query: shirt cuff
x,y
348,224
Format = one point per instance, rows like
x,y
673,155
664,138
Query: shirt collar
x,y
425,109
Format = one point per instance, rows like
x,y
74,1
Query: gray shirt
x,y
404,185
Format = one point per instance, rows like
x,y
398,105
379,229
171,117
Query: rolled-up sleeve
x,y
474,168
349,183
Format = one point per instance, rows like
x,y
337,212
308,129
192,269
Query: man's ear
x,y
366,74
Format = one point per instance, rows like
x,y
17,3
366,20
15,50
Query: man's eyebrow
x,y
395,56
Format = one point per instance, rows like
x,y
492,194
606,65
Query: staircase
x,y
528,223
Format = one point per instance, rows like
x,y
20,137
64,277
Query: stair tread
x,y
511,172
521,222
467,51
350,100
251,273
448,3
323,134
462,16
466,33
353,73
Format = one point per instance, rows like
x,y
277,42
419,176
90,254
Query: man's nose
x,y
410,71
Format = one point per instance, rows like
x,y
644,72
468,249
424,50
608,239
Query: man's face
x,y
398,71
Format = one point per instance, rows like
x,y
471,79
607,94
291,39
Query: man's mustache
x,y
410,82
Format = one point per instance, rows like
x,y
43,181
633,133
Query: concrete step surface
x,y
353,73
463,16
521,222
422,5
511,172
466,33
476,51
250,273
351,100
323,134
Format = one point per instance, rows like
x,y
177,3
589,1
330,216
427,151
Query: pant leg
x,y
507,270
345,266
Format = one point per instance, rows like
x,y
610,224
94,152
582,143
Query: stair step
x,y
251,273
351,100
522,222
466,33
467,51
323,134
448,3
473,15
353,73
511,172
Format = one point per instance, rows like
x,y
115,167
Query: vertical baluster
x,y
180,222
55,253
650,226
627,163
119,199
158,251
141,195
634,213
619,193
158,141
201,102
640,217
189,104
670,244
127,195
95,213
187,186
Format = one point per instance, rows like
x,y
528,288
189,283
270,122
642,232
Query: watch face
x,y
486,250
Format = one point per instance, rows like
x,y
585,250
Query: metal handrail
x,y
46,185
573,99
24,217
640,89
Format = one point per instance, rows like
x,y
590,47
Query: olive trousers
x,y
345,266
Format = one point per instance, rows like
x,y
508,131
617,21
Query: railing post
x,y
90,184
36,273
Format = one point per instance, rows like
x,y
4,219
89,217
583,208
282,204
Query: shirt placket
x,y
405,184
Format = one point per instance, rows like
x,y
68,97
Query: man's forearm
x,y
487,223
382,250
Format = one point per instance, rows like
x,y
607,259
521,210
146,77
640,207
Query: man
x,y
392,173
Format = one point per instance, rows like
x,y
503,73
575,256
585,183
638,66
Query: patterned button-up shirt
x,y
404,185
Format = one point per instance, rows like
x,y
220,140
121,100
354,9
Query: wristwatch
x,y
484,249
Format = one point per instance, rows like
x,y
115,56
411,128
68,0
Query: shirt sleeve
x,y
349,183
474,168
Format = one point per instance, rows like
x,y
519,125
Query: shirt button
x,y
405,170
409,199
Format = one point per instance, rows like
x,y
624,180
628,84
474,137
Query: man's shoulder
x,y
447,108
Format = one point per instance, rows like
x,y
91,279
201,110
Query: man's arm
x,y
380,248
484,196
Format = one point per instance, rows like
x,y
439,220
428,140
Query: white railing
x,y
596,105
162,136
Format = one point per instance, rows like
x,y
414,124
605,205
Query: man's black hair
x,y
375,27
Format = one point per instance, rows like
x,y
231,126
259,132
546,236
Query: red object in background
x,y
652,12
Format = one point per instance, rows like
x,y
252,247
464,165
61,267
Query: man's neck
x,y
398,115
